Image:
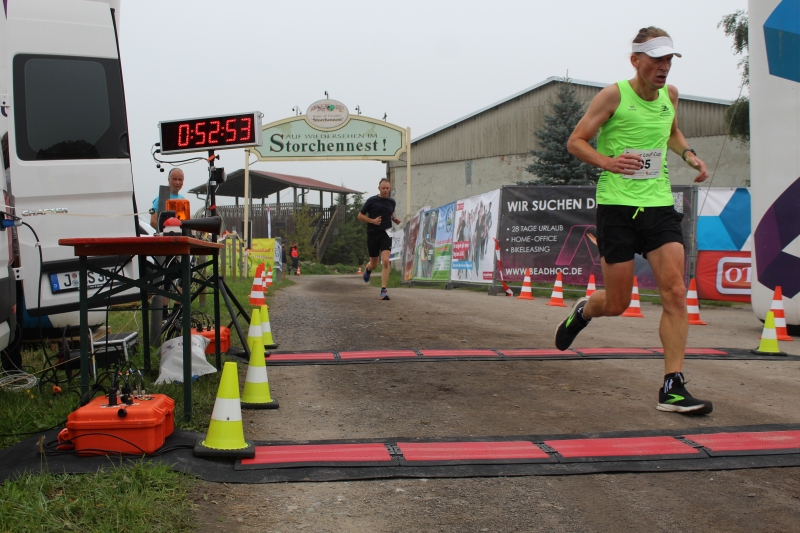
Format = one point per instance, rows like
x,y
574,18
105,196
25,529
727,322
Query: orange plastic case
x,y
224,339
98,429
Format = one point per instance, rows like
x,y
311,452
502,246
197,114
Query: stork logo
x,y
779,226
327,114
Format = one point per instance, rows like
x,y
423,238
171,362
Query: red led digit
x,y
183,129
248,128
199,133
216,125
231,131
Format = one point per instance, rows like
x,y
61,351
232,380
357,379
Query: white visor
x,y
658,47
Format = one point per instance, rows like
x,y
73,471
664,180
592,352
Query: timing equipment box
x,y
224,339
101,429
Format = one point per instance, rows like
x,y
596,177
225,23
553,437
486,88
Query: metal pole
x,y
84,321
408,174
215,259
186,310
246,194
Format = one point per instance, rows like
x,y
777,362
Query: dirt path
x,y
497,398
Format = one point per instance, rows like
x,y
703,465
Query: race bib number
x,y
651,163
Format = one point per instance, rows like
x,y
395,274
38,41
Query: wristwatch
x,y
683,154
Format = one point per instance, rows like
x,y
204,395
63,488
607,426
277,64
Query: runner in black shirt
x,y
378,213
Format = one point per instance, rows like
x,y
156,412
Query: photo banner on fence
x,y
412,229
551,229
434,244
473,247
263,251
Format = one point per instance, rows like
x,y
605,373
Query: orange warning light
x,y
181,208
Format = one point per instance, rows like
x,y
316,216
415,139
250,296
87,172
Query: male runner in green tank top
x,y
637,123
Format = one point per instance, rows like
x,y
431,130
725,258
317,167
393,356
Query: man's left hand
x,y
697,164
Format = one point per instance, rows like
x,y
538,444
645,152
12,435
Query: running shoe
x,y
366,275
678,399
571,326
384,294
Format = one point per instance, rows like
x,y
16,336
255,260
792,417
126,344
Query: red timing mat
x,y
633,447
318,454
614,351
377,354
321,356
465,451
767,441
695,351
459,353
538,353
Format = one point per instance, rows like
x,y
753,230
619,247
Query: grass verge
x,y
140,497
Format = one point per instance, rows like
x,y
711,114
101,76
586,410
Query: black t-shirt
x,y
375,207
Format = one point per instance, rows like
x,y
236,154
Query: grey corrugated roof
x,y
545,82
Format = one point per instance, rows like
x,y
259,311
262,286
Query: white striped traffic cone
x,y
255,329
266,330
557,298
257,292
256,384
780,318
526,293
269,277
635,309
693,305
591,287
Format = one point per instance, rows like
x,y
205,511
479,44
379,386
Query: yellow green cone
x,y
266,330
255,329
769,338
256,385
225,435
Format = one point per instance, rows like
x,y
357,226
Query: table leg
x,y
84,321
186,310
145,313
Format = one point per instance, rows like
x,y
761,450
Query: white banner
x,y
473,234
397,245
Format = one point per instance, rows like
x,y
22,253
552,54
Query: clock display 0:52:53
x,y
210,133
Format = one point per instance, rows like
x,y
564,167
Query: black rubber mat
x,y
727,448
536,354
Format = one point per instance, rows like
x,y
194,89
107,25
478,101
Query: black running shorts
x,y
620,235
377,242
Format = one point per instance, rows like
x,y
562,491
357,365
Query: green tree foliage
x,y
349,244
737,117
304,224
555,165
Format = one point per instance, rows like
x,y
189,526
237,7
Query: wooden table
x,y
152,277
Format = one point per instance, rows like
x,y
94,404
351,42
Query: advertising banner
x,y
723,275
263,251
552,229
473,247
434,244
397,245
412,230
774,165
723,221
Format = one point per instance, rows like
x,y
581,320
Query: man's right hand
x,y
377,221
626,164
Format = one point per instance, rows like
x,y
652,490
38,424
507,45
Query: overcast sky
x,y
423,62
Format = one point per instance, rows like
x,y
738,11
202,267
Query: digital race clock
x,y
211,133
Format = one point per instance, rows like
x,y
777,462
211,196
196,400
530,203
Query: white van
x,y
70,167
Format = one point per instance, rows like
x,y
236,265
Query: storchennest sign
x,y
329,132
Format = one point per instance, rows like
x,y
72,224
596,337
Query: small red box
x,y
224,339
98,429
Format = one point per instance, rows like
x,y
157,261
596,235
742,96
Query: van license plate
x,y
70,281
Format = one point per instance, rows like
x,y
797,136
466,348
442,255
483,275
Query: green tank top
x,y
643,126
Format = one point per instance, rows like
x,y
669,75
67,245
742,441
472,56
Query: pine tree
x,y
304,224
554,164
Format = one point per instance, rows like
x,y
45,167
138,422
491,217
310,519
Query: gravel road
x,y
500,398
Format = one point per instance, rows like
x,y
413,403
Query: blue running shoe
x,y
384,294
366,275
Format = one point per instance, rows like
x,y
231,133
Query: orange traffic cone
x,y
635,309
298,270
557,298
780,318
693,306
526,293
257,292
264,278
591,287
359,271
269,277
